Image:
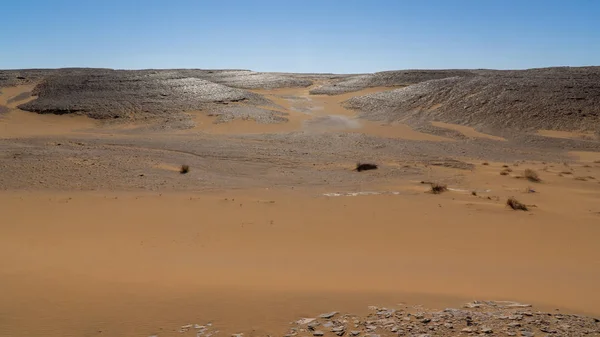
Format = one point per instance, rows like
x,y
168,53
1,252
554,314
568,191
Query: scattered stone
x,y
486,329
472,305
340,330
312,325
487,318
185,328
303,321
328,315
388,321
547,330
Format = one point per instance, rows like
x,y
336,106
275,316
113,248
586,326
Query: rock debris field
x,y
478,318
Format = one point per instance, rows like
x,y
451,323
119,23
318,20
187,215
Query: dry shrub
x,y
566,172
580,178
505,166
516,205
438,188
506,171
532,176
474,193
365,167
485,163
184,169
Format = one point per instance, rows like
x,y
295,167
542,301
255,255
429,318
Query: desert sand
x,y
102,236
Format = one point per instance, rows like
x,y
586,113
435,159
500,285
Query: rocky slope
x,y
385,79
150,94
552,98
496,101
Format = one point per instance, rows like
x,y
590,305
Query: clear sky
x,y
341,36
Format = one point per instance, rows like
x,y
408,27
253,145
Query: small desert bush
x,y
580,178
485,163
532,176
438,188
365,167
515,204
504,172
184,169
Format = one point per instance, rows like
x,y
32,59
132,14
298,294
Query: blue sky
x,y
341,36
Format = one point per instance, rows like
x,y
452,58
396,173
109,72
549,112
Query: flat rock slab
x,y
328,315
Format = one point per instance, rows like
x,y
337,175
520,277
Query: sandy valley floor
x,y
102,236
